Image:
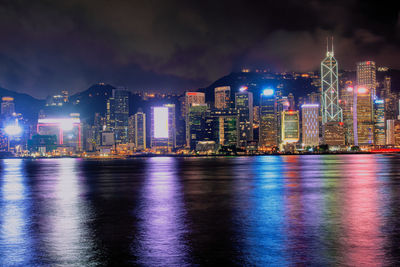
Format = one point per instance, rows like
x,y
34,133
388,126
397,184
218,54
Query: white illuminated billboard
x,y
160,122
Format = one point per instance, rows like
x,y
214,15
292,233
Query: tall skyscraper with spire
x,y
331,111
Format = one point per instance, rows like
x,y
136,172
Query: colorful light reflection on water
x,y
274,210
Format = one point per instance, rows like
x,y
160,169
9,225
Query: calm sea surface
x,y
257,211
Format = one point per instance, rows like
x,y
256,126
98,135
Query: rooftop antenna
x,y
332,44
327,45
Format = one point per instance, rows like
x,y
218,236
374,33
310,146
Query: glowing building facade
x,y
268,133
363,117
195,124
334,134
222,97
67,130
244,107
140,130
121,115
310,124
366,77
226,123
379,120
330,108
7,106
290,126
163,128
193,98
347,100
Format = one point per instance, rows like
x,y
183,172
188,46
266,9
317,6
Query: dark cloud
x,y
47,46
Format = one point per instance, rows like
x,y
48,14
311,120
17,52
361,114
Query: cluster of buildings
x,y
343,115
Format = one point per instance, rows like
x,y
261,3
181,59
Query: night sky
x,y
49,46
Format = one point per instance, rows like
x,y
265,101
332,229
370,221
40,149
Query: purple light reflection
x,y
15,242
64,230
162,215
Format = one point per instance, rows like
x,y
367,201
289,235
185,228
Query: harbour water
x,y
165,211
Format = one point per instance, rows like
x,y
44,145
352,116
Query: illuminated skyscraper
x,y
363,117
195,124
366,77
193,98
379,127
282,104
118,114
310,124
390,132
244,107
334,134
268,134
386,90
140,130
226,123
290,126
7,106
396,133
121,101
292,103
222,97
163,128
390,100
131,129
347,99
330,108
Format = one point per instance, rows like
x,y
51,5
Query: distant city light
x,y
268,92
379,101
67,125
160,122
362,90
309,105
13,130
60,120
243,88
349,89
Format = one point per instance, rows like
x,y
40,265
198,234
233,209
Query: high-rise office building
x,y
292,103
7,106
363,117
117,117
140,130
393,132
131,129
121,110
193,98
163,128
379,121
268,133
110,114
334,134
390,132
310,124
228,120
290,126
347,99
390,99
330,108
386,90
366,77
222,97
282,104
244,108
396,133
195,124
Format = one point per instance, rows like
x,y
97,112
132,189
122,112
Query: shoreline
x,y
201,156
